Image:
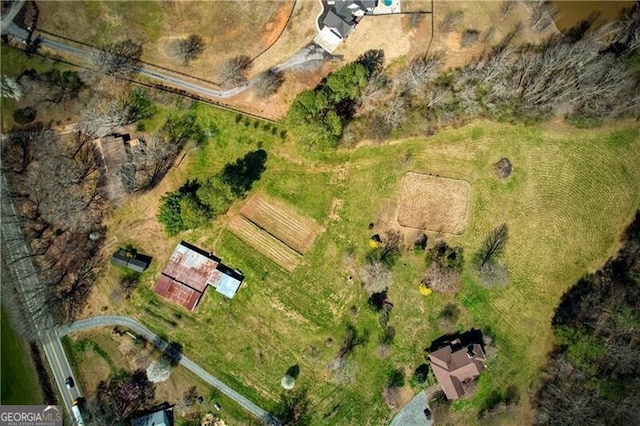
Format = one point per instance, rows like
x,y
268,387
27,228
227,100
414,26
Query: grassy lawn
x,y
97,22
228,28
98,353
571,193
14,62
19,378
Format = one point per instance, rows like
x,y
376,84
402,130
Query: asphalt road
x,y
20,261
141,330
9,16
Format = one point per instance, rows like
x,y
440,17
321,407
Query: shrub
x,y
469,38
25,115
421,373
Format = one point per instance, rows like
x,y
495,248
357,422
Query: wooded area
x,y
588,75
593,375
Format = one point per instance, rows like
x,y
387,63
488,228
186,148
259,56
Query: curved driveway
x,y
112,320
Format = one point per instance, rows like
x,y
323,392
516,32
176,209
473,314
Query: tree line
x,y
317,117
195,203
588,75
592,375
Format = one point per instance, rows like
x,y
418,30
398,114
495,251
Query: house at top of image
x,y
188,273
456,364
339,20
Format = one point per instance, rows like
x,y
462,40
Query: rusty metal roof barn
x,y
188,273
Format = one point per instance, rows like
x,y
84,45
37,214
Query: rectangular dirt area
x,y
283,222
434,203
264,243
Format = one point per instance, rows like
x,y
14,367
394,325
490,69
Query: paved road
x,y
8,18
413,413
20,261
112,320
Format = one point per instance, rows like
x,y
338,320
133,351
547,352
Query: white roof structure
x,y
328,39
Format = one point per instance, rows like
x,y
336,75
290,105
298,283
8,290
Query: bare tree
x,y
117,59
120,110
506,6
376,277
419,73
396,111
189,49
122,396
542,14
160,370
9,88
440,277
493,245
451,20
70,176
235,68
373,94
267,83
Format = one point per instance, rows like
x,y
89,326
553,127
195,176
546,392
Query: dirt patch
x,y
387,216
503,168
334,209
276,230
264,243
434,203
274,28
283,222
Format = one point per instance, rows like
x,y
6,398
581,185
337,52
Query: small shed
x,y
132,260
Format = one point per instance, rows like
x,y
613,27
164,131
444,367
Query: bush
x,y
25,115
421,374
469,38
396,378
377,301
450,313
451,20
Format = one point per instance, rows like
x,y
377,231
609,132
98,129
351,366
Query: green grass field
x,y
97,353
571,193
19,378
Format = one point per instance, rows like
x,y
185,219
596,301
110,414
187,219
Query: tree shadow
x,y
372,60
468,337
293,371
578,31
241,175
173,352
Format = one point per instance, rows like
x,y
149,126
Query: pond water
x,y
572,12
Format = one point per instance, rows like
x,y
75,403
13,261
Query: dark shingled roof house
x,y
340,20
188,273
456,364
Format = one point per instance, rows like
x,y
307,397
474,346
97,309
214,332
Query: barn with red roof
x,y
190,271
